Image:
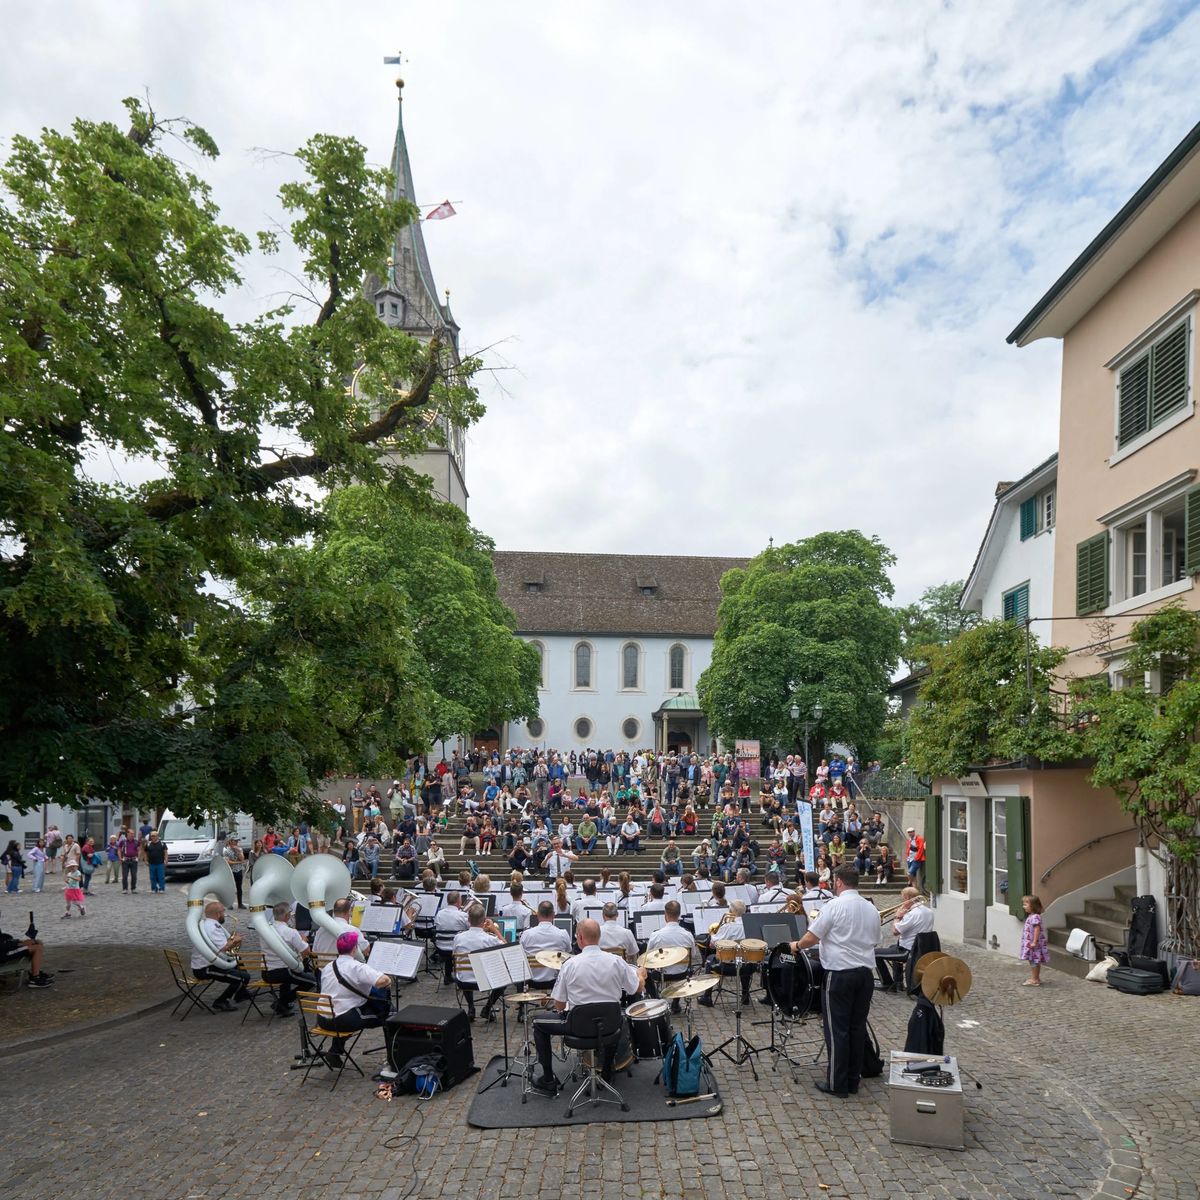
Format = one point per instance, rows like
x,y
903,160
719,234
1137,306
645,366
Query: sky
x,y
739,272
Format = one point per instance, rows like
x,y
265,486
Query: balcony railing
x,y
895,782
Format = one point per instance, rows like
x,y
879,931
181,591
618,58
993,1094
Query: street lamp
x,y
809,724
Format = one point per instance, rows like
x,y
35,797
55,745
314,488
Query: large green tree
x,y
806,622
144,653
1146,745
988,698
933,620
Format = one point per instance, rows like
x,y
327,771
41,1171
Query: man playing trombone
x,y
911,917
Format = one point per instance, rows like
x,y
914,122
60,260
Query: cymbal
x,y
552,958
664,956
688,988
924,961
946,981
527,998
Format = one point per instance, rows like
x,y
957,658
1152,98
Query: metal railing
x,y
1081,848
900,783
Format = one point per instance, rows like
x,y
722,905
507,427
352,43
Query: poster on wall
x,y
747,755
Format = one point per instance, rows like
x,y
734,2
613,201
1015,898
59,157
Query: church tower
x,y
407,299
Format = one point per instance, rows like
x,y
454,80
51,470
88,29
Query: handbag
x,y
683,1066
1187,978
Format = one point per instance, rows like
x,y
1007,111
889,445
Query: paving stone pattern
x,y
1086,1092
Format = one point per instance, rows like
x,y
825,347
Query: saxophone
x,y
712,929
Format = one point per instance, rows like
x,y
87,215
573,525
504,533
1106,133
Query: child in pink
x,y
1034,948
73,890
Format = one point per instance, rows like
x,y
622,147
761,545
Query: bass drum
x,y
794,981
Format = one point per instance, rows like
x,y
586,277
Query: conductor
x,y
847,929
591,977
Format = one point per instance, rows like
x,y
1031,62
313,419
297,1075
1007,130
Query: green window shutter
x,y
1029,517
1016,604
1091,574
1168,374
1191,531
933,844
1133,410
1016,829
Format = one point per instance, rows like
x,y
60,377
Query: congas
x,y
794,981
754,950
649,1027
725,950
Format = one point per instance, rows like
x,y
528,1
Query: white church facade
x,y
623,640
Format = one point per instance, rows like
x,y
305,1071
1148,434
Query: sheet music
x,y
399,959
704,917
648,922
767,908
428,903
737,891
379,918
500,966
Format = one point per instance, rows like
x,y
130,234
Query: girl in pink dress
x,y
1034,948
73,890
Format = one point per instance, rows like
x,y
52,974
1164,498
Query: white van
x,y
190,847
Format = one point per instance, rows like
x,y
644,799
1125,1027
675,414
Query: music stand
x,y
757,925
497,967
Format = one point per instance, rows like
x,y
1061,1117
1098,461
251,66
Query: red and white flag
x,y
443,210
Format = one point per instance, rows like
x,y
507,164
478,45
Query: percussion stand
x,y
528,1056
743,1052
508,1073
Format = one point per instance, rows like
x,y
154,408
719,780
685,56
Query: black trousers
x,y
469,990
847,1005
552,1025
352,1019
235,978
883,960
289,982
237,885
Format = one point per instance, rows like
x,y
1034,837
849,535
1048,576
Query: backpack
x,y
683,1065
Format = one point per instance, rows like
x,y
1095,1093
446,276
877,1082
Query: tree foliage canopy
x,y
986,701
804,622
195,638
933,620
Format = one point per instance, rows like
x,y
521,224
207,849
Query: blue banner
x,y
808,849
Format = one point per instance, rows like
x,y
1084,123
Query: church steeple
x,y
408,298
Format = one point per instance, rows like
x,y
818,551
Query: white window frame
x,y
540,646
575,684
541,737
583,741
1145,511
639,684
687,667
999,861
951,830
1182,313
638,721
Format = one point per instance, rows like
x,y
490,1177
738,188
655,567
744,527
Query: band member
x,y
480,934
592,977
585,901
325,942
912,917
558,861
545,935
213,931
449,922
816,895
516,908
773,890
742,880
671,934
359,995
613,933
847,930
733,929
277,972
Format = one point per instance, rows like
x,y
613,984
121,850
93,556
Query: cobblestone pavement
x,y
1085,1092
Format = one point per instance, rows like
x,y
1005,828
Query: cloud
x,y
748,271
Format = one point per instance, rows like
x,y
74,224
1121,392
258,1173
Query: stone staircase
x,y
641,867
1106,919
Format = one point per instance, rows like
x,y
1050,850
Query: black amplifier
x,y
424,1029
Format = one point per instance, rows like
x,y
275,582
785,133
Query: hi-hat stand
x,y
743,1050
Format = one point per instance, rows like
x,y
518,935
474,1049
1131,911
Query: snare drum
x,y
725,949
649,1027
754,950
794,981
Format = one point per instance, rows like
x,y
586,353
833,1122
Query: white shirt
x,y
545,935
473,939
733,930
751,892
325,942
558,863
816,898
848,929
352,971
519,910
918,919
581,903
447,922
290,938
613,933
594,977
674,934
773,895
215,935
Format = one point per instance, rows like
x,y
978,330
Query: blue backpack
x,y
683,1066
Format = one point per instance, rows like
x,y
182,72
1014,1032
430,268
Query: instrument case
x,y
1135,982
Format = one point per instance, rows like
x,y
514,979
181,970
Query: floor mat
x,y
501,1107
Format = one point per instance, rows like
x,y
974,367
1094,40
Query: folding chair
x,y
330,1047
462,962
192,989
255,963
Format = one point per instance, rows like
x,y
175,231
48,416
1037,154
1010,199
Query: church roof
x,y
625,594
